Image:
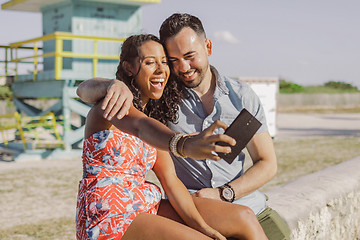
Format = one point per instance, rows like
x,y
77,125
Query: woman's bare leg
x,y
231,220
150,226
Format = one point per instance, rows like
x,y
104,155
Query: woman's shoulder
x,y
95,122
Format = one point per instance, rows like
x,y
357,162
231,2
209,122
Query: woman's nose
x,y
160,67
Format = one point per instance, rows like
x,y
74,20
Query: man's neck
x,y
206,93
207,86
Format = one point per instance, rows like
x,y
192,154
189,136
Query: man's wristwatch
x,y
227,193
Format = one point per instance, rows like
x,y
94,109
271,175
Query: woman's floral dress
x,y
113,190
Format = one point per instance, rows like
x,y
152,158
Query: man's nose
x,y
183,66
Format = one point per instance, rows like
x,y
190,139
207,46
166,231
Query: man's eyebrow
x,y
171,58
189,53
186,54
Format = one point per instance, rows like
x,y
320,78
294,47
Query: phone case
x,y
242,129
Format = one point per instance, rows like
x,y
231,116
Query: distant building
x,y
267,90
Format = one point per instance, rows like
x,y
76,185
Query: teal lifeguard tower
x,y
81,39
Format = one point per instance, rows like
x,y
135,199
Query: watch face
x,y
228,194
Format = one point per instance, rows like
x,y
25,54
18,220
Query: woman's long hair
x,y
164,109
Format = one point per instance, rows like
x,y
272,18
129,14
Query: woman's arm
x,y
179,197
136,123
200,146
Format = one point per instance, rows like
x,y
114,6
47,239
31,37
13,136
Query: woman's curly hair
x,y
164,109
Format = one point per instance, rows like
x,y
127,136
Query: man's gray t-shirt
x,y
230,97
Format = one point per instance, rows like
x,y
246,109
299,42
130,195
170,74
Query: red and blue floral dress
x,y
113,190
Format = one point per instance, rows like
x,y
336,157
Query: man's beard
x,y
193,86
188,84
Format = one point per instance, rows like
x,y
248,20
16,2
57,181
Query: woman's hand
x,y
209,231
203,145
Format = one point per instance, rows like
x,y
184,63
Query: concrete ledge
x,y
322,205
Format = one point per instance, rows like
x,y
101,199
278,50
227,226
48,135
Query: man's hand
x,y
117,96
212,193
117,101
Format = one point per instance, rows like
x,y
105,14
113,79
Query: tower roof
x,y
36,5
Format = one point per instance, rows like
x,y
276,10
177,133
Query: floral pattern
x,y
113,190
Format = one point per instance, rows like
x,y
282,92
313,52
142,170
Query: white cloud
x,y
225,36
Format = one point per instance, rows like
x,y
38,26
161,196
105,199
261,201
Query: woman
x,y
114,200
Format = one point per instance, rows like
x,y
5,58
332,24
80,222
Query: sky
x,y
308,42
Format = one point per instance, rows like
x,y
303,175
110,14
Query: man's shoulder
x,y
229,82
236,85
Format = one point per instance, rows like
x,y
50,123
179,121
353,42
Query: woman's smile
x,y
158,83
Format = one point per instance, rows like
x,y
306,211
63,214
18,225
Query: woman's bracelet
x,y
182,144
174,142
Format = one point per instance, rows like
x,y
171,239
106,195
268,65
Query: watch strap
x,y
221,189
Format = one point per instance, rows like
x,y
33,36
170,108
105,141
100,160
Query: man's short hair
x,y
176,22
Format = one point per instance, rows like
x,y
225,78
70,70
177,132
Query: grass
x,y
303,156
41,197
59,228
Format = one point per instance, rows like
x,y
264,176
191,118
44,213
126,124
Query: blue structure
x,y
81,39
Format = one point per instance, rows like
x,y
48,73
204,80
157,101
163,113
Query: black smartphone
x,y
242,129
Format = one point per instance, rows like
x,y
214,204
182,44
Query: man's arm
x,y
118,97
262,152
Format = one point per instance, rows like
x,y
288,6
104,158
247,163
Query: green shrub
x,y
5,92
340,85
289,87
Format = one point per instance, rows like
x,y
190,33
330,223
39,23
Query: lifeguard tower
x,y
81,39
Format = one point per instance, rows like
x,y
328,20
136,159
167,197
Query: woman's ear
x,y
128,69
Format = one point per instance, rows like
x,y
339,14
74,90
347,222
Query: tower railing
x,y
59,54
10,66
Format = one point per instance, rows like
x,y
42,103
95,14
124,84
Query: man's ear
x,y
208,45
128,69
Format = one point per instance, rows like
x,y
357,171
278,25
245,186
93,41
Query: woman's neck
x,y
144,102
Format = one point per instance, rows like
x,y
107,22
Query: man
x,y
211,97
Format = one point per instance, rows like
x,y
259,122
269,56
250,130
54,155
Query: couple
x,y
113,192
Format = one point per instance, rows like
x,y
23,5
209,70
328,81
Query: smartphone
x,y
242,129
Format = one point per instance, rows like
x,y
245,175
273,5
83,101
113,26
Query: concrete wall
x,y
298,99
322,205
